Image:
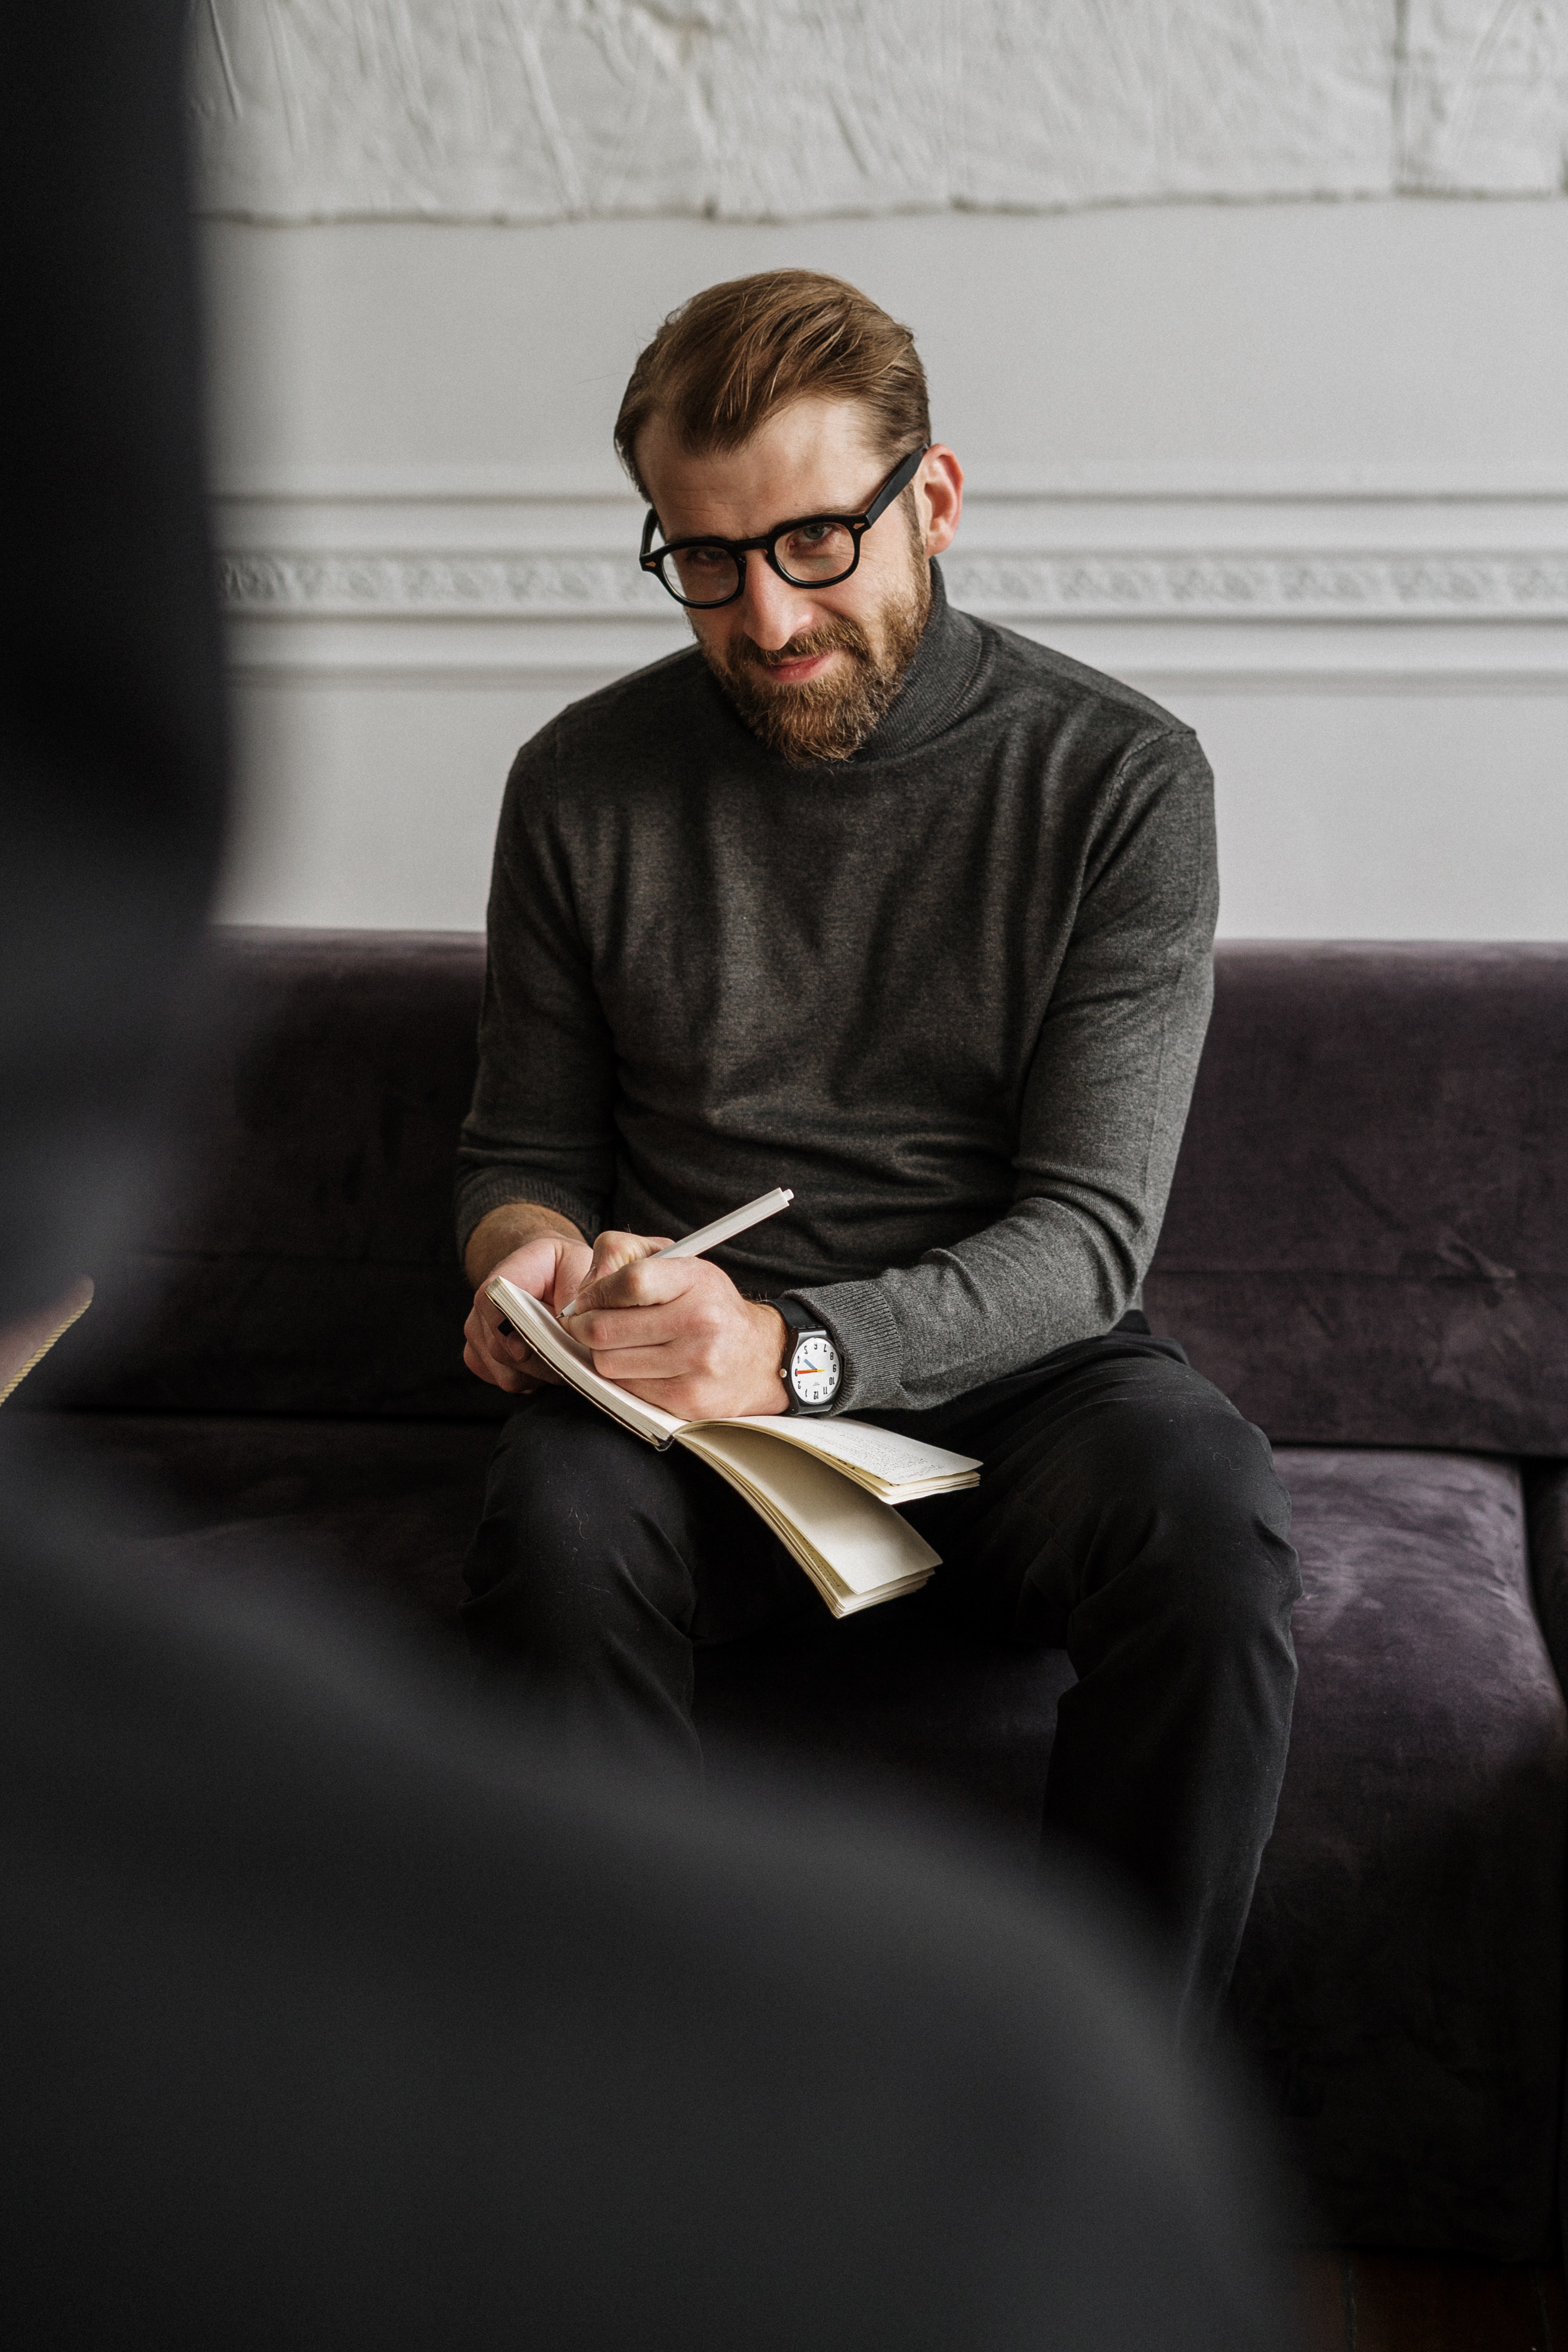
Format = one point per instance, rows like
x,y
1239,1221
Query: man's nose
x,y
772,612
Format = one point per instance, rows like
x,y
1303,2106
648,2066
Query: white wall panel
x,y
1314,843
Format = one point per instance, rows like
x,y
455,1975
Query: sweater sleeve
x,y
542,1125
1104,1103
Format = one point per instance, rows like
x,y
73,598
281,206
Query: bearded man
x,y
865,896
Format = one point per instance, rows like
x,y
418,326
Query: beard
x,y
826,717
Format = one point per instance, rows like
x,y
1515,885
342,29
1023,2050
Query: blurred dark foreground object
x,y
330,2016
111,744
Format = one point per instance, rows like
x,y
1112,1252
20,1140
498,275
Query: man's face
x,y
811,670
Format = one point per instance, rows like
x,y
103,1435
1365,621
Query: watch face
x,y
814,1370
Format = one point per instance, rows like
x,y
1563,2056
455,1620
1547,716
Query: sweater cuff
x,y
501,1188
860,1323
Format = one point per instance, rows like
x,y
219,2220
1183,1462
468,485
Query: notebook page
x,y
865,1543
890,1458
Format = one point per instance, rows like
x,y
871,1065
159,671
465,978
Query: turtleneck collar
x,y
936,685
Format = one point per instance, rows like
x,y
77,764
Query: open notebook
x,y
826,1488
24,1345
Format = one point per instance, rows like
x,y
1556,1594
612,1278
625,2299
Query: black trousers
x,y
1126,1512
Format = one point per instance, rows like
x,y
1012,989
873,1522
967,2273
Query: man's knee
x,y
574,1534
1191,1493
556,1470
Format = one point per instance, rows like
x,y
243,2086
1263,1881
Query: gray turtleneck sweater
x,y
951,990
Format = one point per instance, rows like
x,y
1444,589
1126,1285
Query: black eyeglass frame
x,y
652,558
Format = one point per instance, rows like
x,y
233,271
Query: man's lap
x,y
564,1474
1112,1425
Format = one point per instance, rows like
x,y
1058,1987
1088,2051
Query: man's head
x,y
781,396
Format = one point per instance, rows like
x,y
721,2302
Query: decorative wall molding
x,y
437,577
781,109
1411,584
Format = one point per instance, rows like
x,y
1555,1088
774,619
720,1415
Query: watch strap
x,y
799,1319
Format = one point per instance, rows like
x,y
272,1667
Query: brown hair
x,y
736,352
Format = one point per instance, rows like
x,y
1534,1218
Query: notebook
x,y
828,1488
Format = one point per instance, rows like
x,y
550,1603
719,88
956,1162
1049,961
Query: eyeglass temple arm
x,y
895,483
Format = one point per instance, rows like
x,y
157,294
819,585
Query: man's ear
x,y
939,497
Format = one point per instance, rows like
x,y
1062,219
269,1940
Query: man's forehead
x,y
811,453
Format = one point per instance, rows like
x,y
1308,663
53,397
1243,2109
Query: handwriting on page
x,y
884,1455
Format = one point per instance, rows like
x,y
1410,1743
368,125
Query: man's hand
x,y
677,1332
540,1253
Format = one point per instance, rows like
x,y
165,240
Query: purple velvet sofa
x,y
1367,1247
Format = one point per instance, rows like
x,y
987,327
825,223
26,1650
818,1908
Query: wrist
x,y
774,1339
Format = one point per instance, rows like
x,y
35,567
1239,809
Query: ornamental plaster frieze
x,y
1423,585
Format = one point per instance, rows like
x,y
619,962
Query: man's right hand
x,y
552,1264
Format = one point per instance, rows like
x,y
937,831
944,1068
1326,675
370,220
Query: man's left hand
x,y
678,1333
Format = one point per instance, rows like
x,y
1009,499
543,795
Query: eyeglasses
x,y
813,551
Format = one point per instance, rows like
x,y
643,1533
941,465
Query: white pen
x,y
706,1237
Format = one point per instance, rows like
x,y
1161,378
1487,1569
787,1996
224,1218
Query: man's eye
x,y
816,551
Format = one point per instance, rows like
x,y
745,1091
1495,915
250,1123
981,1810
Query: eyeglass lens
x,y
811,554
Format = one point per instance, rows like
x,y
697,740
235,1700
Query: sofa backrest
x,y
1367,1241
303,1261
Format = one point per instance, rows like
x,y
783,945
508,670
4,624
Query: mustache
x,y
838,637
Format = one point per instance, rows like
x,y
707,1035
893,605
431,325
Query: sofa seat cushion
x,y
1401,1981
384,1509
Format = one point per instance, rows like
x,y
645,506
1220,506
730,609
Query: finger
x,y
570,1273
650,1282
598,1327
494,1352
494,1337
657,1366
633,1347
494,1329
499,1376
612,1254
523,1359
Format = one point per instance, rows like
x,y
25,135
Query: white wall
x,y
1299,469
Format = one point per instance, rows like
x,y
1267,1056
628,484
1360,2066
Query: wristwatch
x,y
810,1372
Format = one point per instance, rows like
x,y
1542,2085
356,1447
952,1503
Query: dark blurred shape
x,y
331,2014
112,750
330,2017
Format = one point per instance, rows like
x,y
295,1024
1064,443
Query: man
x,y
865,896
330,2016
